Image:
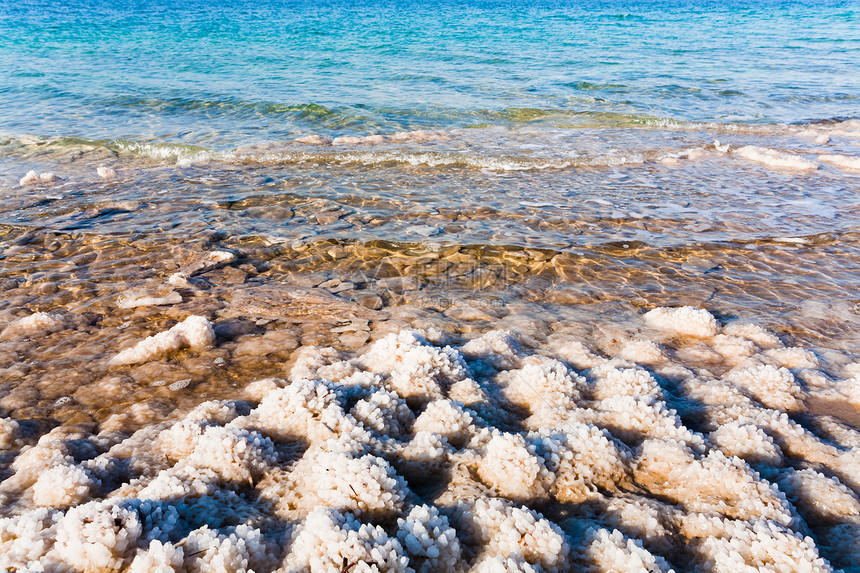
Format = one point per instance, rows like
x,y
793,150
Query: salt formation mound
x,y
37,324
32,177
842,161
416,458
106,172
193,332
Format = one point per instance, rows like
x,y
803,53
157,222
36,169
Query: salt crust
x,y
842,161
33,177
329,471
193,332
37,324
106,172
683,321
611,551
136,300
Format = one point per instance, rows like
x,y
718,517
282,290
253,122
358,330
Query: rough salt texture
x,y
487,457
686,321
37,324
842,161
33,177
106,172
193,332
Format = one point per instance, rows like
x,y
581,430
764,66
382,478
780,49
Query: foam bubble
x,y
774,158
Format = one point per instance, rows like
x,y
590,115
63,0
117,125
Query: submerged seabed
x,y
385,354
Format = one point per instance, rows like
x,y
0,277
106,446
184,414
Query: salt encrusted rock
x,y
319,465
850,388
497,349
733,348
611,551
329,540
684,321
315,363
582,458
574,352
773,387
712,484
194,332
610,381
838,432
633,418
235,454
37,324
644,519
424,457
642,351
540,381
448,419
760,546
792,438
158,558
510,532
240,551
385,413
746,441
714,393
182,481
469,393
556,417
33,461
134,300
306,410
752,332
824,498
98,536
429,541
793,357
63,486
365,484
27,538
415,368
32,177
259,389
511,468
498,564
10,434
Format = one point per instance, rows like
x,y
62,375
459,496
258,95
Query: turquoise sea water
x,y
225,74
